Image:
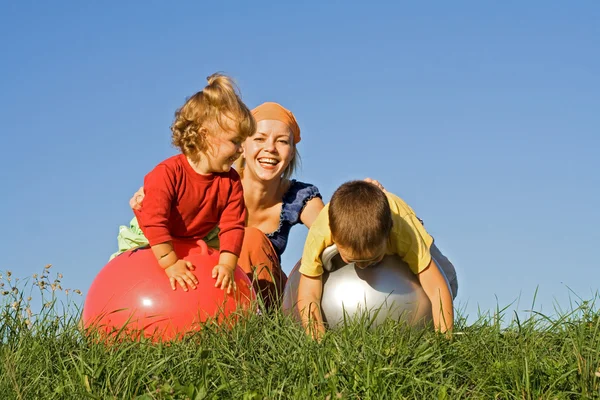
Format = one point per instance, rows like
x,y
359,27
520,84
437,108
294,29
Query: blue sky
x,y
483,117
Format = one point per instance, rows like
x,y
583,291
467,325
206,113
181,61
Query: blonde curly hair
x,y
219,99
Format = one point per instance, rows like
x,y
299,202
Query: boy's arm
x,y
317,240
310,291
413,243
435,286
310,287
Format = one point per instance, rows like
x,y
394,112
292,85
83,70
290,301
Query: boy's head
x,y
360,220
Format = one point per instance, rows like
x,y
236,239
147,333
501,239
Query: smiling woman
x,y
274,202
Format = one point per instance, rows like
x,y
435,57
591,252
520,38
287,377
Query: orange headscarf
x,y
270,110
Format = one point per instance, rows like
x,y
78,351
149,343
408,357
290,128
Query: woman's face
x,y
269,151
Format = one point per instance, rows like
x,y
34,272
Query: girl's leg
x,y
259,261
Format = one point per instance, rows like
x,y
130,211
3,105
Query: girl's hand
x,y
374,182
180,272
136,201
224,275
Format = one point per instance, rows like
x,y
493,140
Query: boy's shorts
x,y
446,267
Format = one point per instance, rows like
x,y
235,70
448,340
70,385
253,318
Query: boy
x,y
367,223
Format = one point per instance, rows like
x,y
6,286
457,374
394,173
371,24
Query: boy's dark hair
x,y
359,216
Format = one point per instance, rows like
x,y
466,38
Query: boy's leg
x,y
446,267
259,261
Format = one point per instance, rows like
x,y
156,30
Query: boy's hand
x,y
224,275
181,272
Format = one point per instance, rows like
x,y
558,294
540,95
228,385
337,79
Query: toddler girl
x,y
194,193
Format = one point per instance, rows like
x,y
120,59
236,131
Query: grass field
x,y
44,356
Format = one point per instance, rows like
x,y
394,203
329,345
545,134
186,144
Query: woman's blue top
x,y
293,202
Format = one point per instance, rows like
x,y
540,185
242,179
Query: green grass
x,y
43,355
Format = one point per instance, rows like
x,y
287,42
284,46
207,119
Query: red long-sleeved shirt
x,y
180,203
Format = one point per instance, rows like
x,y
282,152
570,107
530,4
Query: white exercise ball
x,y
387,290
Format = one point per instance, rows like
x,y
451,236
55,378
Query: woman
x,y
274,201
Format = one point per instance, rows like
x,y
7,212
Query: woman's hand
x,y
374,182
136,201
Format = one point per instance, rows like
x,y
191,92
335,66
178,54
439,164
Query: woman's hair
x,y
219,100
360,218
293,165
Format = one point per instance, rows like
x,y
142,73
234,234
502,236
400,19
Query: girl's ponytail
x,y
219,98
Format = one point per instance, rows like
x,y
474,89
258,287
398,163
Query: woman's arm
x,y
311,210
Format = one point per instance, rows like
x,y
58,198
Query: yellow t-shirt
x,y
408,239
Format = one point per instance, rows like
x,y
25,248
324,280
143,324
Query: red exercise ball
x,y
133,290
